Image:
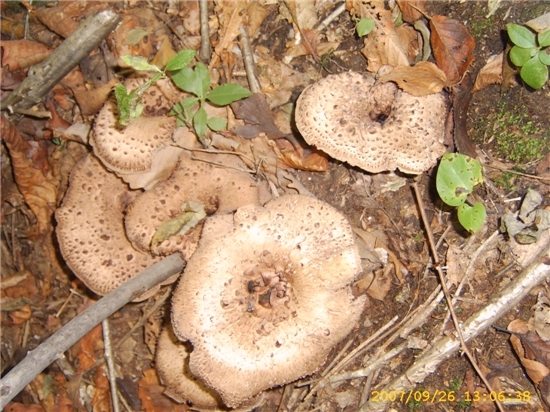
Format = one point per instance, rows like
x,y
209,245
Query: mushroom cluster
x,y
376,127
267,295
107,223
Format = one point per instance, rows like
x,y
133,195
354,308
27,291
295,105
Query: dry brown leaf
x,y
411,41
19,407
491,73
383,46
33,176
165,52
410,8
532,351
86,347
419,80
256,15
21,316
90,101
377,285
303,13
301,158
457,262
102,395
230,17
452,46
152,397
22,54
65,18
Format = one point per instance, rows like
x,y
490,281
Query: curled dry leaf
x,y
33,176
452,46
22,54
64,19
410,9
419,80
491,73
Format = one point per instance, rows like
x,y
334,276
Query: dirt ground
x,y
511,130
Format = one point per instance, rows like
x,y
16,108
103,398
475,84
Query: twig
x,y
110,363
205,32
545,179
534,274
51,349
46,74
447,295
248,59
339,10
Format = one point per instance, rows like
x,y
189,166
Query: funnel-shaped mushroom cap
x,y
90,228
220,189
132,149
266,297
376,128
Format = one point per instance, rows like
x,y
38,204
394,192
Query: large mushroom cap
x,y
209,179
90,228
266,295
133,150
374,127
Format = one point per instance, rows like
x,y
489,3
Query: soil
x,y
384,203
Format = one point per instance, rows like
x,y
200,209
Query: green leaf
x,y
364,27
216,123
196,81
456,177
521,36
227,93
189,102
180,60
184,79
544,39
472,218
199,122
519,56
534,73
139,63
135,35
544,56
203,79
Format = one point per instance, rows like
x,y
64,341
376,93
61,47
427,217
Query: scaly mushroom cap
x,y
172,361
219,189
90,229
132,149
266,295
374,127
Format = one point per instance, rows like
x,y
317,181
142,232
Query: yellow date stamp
x,y
439,396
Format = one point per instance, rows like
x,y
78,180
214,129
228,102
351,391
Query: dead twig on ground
x,y
110,363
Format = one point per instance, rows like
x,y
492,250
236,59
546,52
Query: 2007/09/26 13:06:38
x,y
447,396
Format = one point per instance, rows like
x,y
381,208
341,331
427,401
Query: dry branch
x,y
53,348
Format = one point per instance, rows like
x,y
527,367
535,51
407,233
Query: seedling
x,y
456,177
364,27
531,53
189,111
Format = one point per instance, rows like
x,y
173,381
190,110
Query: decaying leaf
x,y
22,54
452,46
230,17
21,315
152,397
191,214
457,262
491,73
411,9
419,80
33,175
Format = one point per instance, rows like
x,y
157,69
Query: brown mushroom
x,y
374,127
220,189
141,152
90,229
266,295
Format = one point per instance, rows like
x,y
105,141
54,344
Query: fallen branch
x,y
53,348
46,74
443,348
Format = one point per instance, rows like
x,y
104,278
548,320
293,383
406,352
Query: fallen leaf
x,y
457,262
452,46
410,9
303,13
33,176
21,316
419,80
491,73
230,16
90,101
22,54
152,397
165,52
102,394
532,351
19,407
65,18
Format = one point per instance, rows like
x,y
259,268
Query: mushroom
x,y
90,229
267,295
141,153
374,127
209,179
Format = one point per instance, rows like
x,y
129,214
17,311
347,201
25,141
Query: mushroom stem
x,y
51,349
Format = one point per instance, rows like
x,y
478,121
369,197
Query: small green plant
x,y
531,53
456,177
364,27
189,111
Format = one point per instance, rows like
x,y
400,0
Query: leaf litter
x,y
400,284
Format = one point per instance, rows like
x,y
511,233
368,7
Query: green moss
x,y
514,135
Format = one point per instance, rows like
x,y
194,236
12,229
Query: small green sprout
x,y
364,27
531,53
189,111
456,177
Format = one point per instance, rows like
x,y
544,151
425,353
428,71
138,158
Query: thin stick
x,y
329,19
205,32
546,179
53,348
448,296
46,74
248,59
110,363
